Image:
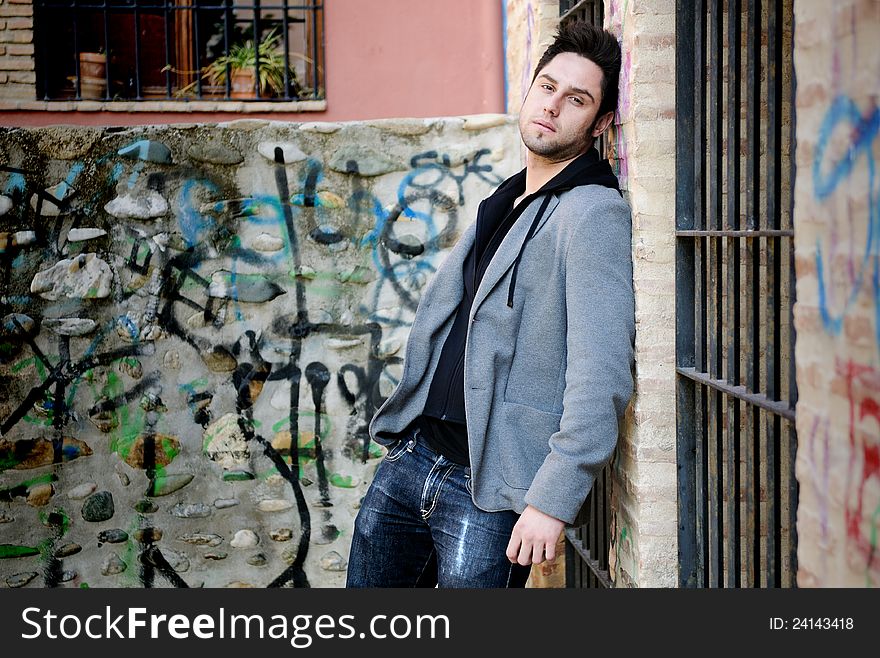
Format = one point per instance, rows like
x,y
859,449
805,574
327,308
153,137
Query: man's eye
x,y
576,100
547,87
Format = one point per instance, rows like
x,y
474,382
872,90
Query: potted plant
x,y
241,61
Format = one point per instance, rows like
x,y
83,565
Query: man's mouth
x,y
545,125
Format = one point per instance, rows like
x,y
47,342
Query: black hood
x,y
586,169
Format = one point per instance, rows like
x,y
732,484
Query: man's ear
x,y
602,124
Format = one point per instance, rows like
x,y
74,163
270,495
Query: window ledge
x,y
249,107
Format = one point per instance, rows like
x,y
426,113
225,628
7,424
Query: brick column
x,y
642,143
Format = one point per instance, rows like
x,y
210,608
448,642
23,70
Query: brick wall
x,y
17,79
837,65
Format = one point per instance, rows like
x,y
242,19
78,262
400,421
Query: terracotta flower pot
x,y
93,65
243,83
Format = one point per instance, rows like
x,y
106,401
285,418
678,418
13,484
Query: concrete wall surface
x,y
198,322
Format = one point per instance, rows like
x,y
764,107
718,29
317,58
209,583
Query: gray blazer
x,y
547,380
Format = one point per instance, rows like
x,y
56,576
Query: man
x,y
519,361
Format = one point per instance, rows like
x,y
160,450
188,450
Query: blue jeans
x,y
418,527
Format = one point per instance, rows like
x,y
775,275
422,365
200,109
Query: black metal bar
x,y
762,233
593,565
227,20
733,293
285,28
194,17
315,49
740,392
107,63
684,286
258,39
774,87
78,77
166,16
137,54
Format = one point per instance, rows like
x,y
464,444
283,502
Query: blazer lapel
x,y
509,248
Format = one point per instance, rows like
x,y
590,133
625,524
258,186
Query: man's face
x,y
558,120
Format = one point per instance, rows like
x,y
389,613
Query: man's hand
x,y
534,537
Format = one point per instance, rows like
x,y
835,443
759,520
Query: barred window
x,y
269,50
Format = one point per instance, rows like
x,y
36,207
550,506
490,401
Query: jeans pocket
x,y
396,450
468,483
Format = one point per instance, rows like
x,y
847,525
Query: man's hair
x,y
598,46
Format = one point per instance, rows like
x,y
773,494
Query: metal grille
x,y
268,50
736,390
588,541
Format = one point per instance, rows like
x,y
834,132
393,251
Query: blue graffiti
x,y
863,132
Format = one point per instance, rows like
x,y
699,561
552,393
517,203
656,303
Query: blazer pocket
x,y
525,442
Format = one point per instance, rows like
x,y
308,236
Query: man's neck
x,y
539,171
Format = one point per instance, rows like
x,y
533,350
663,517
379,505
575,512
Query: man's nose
x,y
551,105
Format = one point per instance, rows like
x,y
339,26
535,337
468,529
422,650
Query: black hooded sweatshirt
x,y
443,419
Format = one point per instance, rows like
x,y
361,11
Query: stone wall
x,y
837,65
198,323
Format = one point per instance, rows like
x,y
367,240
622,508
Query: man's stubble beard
x,y
556,152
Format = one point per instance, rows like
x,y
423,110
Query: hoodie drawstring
x,y
532,228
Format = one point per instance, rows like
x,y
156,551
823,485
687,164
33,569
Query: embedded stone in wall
x,y
171,359
39,495
224,503
70,326
484,121
147,535
84,277
147,150
225,444
49,208
244,539
219,359
112,536
21,579
362,160
162,485
215,555
290,152
403,127
388,347
191,511
81,491
5,518
5,204
98,507
342,343
67,550
254,288
322,127
201,539
146,507
266,242
83,234
17,325
18,239
112,565
123,479
146,205
274,505
215,153
333,561
150,450
257,560
33,453
281,534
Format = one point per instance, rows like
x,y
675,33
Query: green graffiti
x,y
13,550
343,482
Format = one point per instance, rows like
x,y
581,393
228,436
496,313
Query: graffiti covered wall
x,y
837,314
198,323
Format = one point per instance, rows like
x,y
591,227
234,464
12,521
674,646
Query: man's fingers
x,y
550,551
513,547
525,554
538,553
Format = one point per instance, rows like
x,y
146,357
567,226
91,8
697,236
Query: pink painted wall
x,y
383,59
